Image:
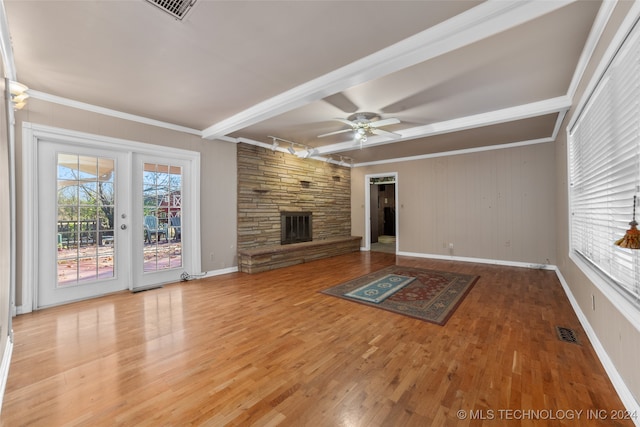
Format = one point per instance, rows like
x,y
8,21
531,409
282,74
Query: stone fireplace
x,y
272,182
295,227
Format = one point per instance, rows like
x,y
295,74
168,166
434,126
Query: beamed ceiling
x,y
458,75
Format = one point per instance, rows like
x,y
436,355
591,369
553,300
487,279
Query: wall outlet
x,y
450,245
212,256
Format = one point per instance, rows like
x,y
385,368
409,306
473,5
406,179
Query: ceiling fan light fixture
x,y
361,135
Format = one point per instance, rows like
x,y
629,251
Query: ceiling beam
x,y
480,22
549,106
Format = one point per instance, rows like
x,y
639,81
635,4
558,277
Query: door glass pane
x,y
85,206
162,217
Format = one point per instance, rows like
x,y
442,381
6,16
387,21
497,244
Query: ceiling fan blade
x,y
346,122
334,133
340,101
385,133
384,122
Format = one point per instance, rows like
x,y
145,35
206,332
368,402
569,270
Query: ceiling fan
x,y
364,125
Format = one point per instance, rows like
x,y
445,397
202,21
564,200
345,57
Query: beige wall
x,y
620,338
497,205
218,172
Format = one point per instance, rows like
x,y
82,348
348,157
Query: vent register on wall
x,y
176,8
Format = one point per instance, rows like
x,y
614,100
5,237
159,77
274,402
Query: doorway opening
x,y
382,221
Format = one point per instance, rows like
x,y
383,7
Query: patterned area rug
x,y
433,296
380,289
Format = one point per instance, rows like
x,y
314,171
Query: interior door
x,y
83,224
374,207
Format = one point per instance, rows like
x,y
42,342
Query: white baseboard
x,y
221,271
480,260
4,368
628,400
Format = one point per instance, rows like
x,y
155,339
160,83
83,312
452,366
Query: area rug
x,y
380,289
432,296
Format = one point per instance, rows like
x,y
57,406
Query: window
x,y
604,171
162,215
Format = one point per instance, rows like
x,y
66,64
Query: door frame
x,y
32,134
367,207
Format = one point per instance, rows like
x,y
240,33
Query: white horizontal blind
x,y
604,168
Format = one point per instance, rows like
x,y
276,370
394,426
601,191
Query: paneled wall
x,y
272,181
495,205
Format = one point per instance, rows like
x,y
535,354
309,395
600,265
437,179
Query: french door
x,y
83,222
160,184
110,219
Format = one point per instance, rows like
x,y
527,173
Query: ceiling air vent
x,y
176,8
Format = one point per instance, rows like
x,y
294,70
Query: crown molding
x,y
599,25
456,152
632,18
480,22
109,112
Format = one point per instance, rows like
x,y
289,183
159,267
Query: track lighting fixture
x,y
305,151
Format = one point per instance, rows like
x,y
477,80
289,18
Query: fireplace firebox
x,y
295,227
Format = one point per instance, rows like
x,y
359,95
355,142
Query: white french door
x,y
83,222
108,215
160,185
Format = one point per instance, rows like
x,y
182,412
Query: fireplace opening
x,y
295,227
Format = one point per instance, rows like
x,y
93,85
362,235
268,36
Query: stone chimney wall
x,y
271,181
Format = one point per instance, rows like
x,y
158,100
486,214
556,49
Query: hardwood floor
x,y
268,349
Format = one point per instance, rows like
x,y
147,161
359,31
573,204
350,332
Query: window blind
x,y
604,171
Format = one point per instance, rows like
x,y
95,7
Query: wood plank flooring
x,y
268,349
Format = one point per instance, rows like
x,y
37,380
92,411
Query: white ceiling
x,y
458,74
